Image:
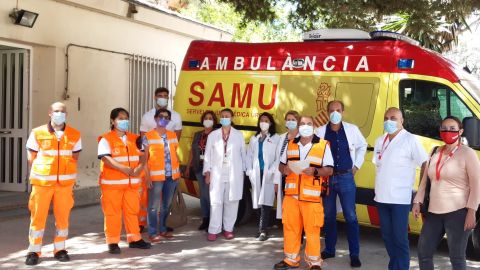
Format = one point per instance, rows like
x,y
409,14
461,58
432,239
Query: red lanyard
x,y
384,147
225,142
439,166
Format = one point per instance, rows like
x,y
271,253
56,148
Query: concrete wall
x,y
98,81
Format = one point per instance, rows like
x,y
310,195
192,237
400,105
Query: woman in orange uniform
x,y
120,179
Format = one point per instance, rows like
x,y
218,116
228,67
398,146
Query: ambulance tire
x,y
473,249
245,207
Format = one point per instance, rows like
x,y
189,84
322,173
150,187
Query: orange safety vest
x,y
307,188
54,162
156,159
127,155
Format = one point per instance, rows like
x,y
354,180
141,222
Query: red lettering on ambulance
x,y
195,89
218,90
272,97
247,95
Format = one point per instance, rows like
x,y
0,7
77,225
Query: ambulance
x,y
369,72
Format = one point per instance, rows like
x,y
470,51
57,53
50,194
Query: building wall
x,y
98,81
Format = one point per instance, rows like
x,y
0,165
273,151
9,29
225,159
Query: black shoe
x,y
315,267
139,244
113,249
355,262
169,229
326,255
262,237
204,224
283,266
32,258
62,256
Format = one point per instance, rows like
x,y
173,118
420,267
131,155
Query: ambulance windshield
x,y
473,87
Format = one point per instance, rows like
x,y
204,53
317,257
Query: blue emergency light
x,y
193,64
405,63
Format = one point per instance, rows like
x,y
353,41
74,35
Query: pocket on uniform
x,y
42,169
318,216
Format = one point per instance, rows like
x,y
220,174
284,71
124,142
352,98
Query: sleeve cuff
x,y
104,155
32,150
77,151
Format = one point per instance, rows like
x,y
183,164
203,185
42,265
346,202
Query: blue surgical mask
x,y
225,122
163,122
390,126
305,130
123,125
335,118
291,124
58,118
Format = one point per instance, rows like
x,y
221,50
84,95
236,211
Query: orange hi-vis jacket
x,y
307,188
54,162
156,159
126,154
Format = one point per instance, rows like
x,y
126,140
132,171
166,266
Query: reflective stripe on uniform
x,y
126,158
292,153
120,181
154,173
36,234
59,245
172,141
61,177
62,233
311,192
290,185
315,160
55,153
35,248
155,141
292,257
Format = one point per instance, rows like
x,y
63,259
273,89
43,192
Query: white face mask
x,y
305,130
208,123
162,102
58,118
264,126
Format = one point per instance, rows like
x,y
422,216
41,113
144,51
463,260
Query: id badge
x,y
202,157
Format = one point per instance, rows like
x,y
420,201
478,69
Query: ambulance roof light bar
x,y
336,34
393,35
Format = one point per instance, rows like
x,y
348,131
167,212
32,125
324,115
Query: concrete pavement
x,y
189,249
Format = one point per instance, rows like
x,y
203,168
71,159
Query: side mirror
x,y
471,126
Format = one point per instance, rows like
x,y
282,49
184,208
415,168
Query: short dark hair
x,y
227,110
114,114
159,111
161,90
205,113
456,119
272,129
336,101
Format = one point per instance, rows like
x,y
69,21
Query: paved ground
x,y
189,250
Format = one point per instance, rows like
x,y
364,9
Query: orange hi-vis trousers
x,y
298,216
40,199
118,202
142,214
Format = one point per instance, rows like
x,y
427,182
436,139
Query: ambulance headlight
x,y
405,63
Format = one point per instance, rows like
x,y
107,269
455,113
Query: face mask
x,y
58,118
335,117
450,137
208,123
225,122
390,126
291,124
305,130
123,125
162,102
163,122
264,126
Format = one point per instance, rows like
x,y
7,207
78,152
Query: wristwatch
x,y
315,172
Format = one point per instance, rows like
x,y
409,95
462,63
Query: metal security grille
x,y
13,119
146,75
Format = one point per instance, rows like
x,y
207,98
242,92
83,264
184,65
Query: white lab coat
x,y
356,142
214,161
263,193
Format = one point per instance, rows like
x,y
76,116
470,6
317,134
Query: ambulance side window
x,y
424,104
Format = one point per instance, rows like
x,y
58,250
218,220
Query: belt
x,y
340,172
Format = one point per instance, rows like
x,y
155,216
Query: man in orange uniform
x,y
302,205
53,151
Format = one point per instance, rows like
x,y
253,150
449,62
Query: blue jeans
x,y
394,229
204,195
160,197
343,186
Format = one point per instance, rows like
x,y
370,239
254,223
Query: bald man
x,y
53,151
397,155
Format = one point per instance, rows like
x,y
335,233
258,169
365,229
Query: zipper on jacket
x,y
58,160
128,159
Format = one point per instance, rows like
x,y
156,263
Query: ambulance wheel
x,y
473,249
245,209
